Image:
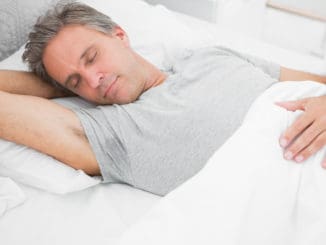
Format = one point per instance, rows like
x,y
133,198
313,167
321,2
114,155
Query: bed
x,y
42,201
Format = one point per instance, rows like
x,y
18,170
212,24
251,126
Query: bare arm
x,y
288,74
26,83
46,127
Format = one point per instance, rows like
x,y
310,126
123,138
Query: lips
x,y
110,84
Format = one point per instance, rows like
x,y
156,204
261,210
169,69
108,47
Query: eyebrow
x,y
68,79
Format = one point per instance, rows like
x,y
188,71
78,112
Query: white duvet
x,y
247,193
10,195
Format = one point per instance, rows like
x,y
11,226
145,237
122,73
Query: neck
x,y
153,76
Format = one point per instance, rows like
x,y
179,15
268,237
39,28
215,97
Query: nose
x,y
92,77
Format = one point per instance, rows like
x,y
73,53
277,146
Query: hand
x,y
307,134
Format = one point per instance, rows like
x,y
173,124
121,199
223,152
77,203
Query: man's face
x,y
98,67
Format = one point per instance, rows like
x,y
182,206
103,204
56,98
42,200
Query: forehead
x,y
65,49
76,32
71,39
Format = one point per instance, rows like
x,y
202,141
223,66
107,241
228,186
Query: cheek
x,y
129,92
118,61
109,59
87,94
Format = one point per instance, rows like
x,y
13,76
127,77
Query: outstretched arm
x,y
27,83
288,74
47,127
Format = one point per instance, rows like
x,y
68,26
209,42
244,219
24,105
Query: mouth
x,y
110,85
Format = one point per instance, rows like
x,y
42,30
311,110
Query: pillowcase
x,y
155,32
30,167
16,19
15,61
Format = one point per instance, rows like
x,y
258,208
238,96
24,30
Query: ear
x,y
119,33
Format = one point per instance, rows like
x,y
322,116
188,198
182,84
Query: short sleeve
x,y
106,143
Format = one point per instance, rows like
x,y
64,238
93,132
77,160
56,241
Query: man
x,y
153,130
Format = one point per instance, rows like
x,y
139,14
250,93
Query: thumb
x,y
293,105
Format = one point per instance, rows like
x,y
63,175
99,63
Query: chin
x,y
127,99
121,100
98,101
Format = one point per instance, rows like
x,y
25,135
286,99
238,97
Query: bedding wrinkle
x,y
231,198
11,195
267,200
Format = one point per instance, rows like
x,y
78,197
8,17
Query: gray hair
x,y
49,25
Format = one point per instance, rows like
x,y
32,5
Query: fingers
x,y
307,134
293,105
303,122
299,153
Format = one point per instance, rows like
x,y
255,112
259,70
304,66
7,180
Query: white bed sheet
x,y
101,214
247,194
97,215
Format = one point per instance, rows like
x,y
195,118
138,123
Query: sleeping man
x,y
149,129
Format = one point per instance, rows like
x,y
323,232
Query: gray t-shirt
x,y
168,134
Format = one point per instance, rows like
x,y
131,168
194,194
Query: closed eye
x,y
73,81
91,59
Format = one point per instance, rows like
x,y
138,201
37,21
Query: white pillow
x,y
16,20
155,32
32,168
14,61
